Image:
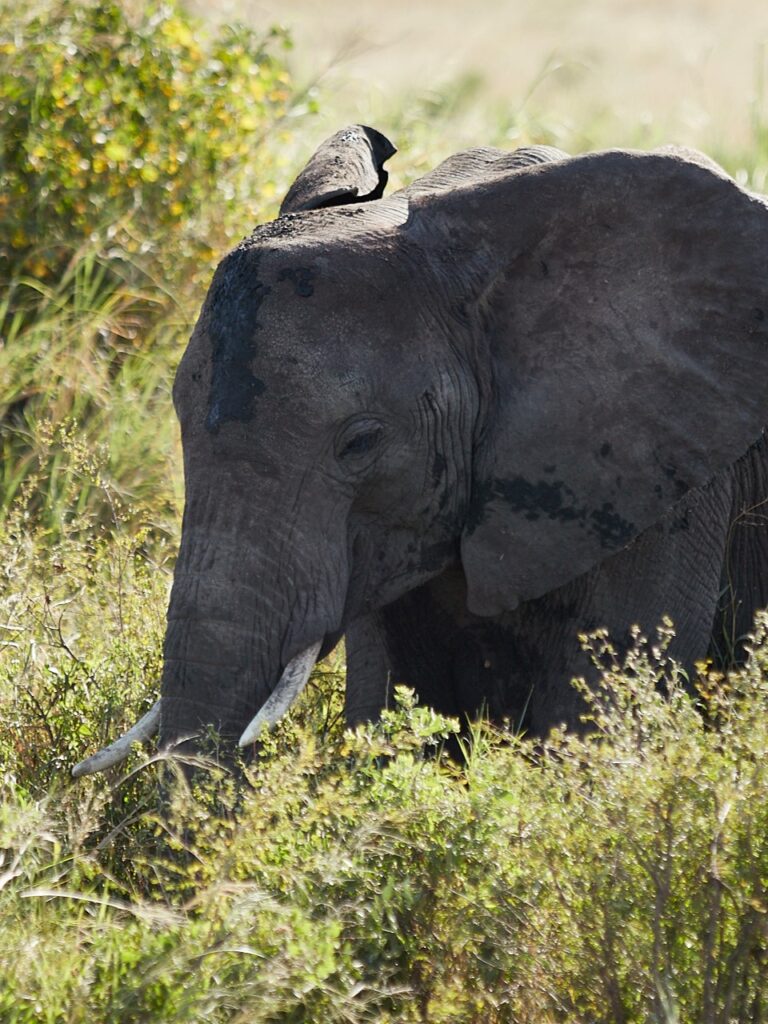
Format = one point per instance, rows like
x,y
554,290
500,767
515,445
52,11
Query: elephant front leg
x,y
369,670
457,664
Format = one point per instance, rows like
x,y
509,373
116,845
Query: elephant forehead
x,y
284,321
341,304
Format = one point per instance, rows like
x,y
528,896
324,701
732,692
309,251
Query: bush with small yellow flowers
x,y
113,123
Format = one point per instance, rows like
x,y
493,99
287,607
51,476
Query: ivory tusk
x,y
292,682
118,751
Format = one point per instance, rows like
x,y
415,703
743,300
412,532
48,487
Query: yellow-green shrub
x,y
619,877
105,116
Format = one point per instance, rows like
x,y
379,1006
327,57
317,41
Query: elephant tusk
x,y
292,682
118,751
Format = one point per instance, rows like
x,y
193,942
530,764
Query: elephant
x,y
519,399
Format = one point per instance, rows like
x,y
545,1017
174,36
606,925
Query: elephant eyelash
x,y
361,443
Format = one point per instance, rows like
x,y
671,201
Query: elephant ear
x,y
347,168
621,303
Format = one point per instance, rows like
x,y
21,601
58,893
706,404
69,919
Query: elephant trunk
x,y
222,657
240,614
256,594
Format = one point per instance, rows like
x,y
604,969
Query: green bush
x,y
81,640
86,367
138,126
618,877
135,147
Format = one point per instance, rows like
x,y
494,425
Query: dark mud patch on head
x,y
233,305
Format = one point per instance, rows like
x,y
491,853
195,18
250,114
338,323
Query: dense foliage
x,y
128,123
354,877
134,148
364,877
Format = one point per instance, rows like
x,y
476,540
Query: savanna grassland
x,y
621,877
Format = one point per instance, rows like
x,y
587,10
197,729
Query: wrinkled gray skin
x,y
519,399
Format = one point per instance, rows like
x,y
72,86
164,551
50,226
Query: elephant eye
x,y
359,440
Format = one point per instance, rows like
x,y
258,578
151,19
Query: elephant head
x,y
513,367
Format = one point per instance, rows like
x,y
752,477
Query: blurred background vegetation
x,y
364,878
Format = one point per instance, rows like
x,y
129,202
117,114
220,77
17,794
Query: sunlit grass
x,y
90,357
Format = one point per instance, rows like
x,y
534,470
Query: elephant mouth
x,y
293,680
